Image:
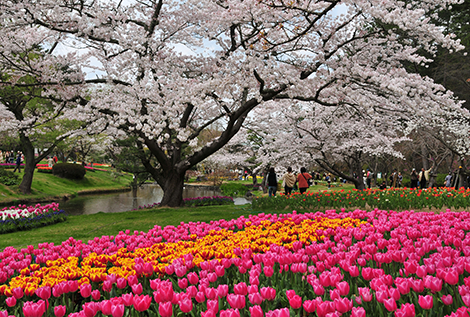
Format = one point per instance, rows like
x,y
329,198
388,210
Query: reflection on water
x,y
118,202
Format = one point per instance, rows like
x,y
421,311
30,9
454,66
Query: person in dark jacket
x,y
272,182
18,163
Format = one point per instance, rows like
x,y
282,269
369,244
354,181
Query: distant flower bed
x,y
198,201
394,198
44,169
9,165
96,169
25,218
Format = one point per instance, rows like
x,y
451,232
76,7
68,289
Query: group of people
x,y
289,180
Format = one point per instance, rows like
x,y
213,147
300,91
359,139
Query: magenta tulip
x,y
165,309
17,292
236,301
268,271
213,305
95,294
142,302
193,278
121,283
295,302
343,305
85,290
426,302
447,299
451,277
358,312
117,310
256,311
390,304
10,301
240,289
60,310
343,288
137,289
309,306
255,298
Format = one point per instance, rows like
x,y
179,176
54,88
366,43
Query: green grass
x,y
46,186
87,227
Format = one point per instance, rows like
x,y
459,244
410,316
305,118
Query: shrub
x,y
234,189
8,178
69,170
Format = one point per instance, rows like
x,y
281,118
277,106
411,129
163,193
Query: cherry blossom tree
x,y
166,70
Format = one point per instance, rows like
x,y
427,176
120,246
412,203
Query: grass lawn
x,y
46,186
87,227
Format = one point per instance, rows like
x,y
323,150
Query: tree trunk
x,y
173,190
30,164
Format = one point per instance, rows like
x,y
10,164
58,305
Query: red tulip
x,y
426,302
165,309
59,311
142,302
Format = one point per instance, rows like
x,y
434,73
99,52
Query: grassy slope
x,y
86,227
47,185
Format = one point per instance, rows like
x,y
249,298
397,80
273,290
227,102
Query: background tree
x,y
165,76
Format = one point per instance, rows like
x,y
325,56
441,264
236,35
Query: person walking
x,y
302,179
289,181
18,163
50,161
272,182
414,178
449,180
423,177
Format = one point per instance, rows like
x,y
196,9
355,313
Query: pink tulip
x,y
180,271
451,277
426,302
466,299
295,302
132,280
390,304
44,292
309,306
252,289
208,313
268,271
193,278
137,289
107,286
213,305
17,292
85,290
121,283
59,311
343,305
106,307
268,293
222,290
354,271
256,311
236,301
447,299
255,298
90,309
10,301
343,288
128,299
230,313
358,312
117,310
165,309
240,289
95,294
142,302
220,270
211,293
200,297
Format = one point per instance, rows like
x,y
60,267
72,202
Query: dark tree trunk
x,y
173,190
30,164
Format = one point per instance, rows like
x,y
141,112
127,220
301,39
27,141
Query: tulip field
x,y
393,198
332,263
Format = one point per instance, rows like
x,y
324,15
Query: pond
x,y
124,201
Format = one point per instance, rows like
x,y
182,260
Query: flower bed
x,y
44,169
25,218
395,198
359,263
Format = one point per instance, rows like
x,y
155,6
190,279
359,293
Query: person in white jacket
x,y
288,180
